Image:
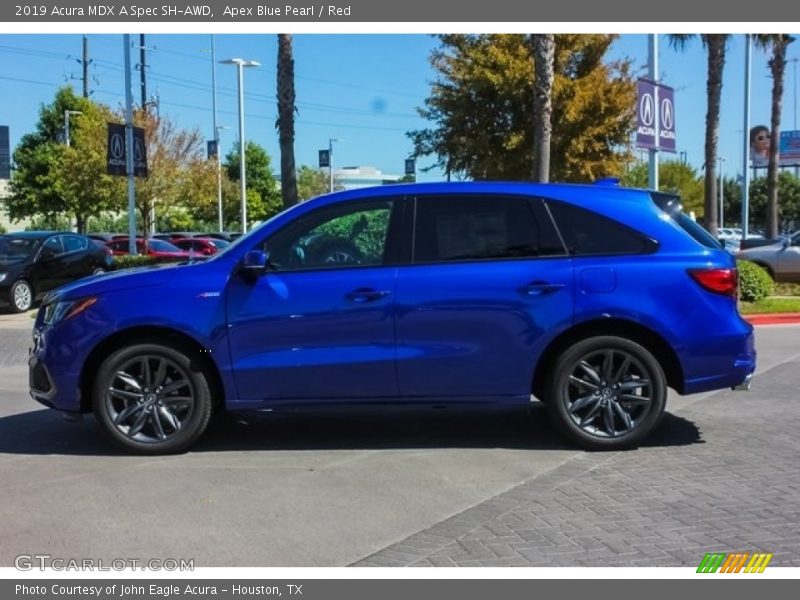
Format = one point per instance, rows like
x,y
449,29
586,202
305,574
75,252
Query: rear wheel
x,y
607,393
152,399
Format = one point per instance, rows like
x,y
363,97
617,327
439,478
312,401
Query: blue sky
x,y
363,89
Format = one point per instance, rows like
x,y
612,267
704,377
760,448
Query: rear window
x,y
587,233
671,205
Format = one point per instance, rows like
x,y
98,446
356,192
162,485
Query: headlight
x,y
3,277
61,311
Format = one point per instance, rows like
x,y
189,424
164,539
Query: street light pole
x,y
330,160
217,129
214,125
241,64
721,160
67,113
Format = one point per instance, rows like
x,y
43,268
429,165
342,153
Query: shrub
x,y
130,261
754,282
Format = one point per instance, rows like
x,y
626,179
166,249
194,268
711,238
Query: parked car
x,y
156,248
202,246
218,235
174,236
593,299
35,262
781,258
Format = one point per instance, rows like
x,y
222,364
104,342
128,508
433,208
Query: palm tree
x,y
777,65
715,45
543,59
285,123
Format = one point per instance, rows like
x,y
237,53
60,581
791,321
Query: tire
x,y
98,271
20,297
588,394
150,410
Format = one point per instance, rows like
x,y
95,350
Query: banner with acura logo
x,y
655,111
116,155
5,153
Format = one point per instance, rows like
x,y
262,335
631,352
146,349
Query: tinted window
x,y
482,228
52,247
587,233
671,205
73,243
341,236
160,246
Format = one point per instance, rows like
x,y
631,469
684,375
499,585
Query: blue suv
x,y
593,299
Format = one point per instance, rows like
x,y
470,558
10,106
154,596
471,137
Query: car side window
x,y
482,228
796,240
345,235
588,233
52,247
74,243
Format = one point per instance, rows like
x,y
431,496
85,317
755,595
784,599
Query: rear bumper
x,y
734,371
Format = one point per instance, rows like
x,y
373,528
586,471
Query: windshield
x,y
16,249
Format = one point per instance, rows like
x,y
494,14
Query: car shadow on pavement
x,y
44,432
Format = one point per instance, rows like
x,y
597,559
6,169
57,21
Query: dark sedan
x,y
35,262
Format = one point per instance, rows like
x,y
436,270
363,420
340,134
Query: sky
x,y
359,88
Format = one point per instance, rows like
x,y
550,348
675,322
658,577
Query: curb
x,y
773,319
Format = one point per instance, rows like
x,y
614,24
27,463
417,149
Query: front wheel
x,y
152,399
607,393
21,296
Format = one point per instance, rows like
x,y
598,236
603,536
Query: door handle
x,y
362,295
540,288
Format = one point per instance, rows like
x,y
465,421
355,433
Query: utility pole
x,y
652,72
85,65
126,42
142,65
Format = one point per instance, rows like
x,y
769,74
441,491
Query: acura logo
x,y
117,147
138,150
646,110
667,114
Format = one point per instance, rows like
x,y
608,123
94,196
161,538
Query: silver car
x,y
781,259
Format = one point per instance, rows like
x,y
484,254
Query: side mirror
x,y
786,243
255,263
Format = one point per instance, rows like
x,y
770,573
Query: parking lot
x,y
424,489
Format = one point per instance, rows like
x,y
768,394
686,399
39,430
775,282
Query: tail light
x,y
719,281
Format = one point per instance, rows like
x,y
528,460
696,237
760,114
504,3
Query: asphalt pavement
x,y
423,488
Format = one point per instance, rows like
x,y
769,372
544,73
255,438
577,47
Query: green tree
x,y
758,209
674,177
544,62
263,192
715,45
312,182
285,123
52,179
777,42
176,168
481,107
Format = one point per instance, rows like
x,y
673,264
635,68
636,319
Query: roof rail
x,y
610,181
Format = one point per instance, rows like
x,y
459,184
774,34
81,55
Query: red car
x,y
156,248
203,246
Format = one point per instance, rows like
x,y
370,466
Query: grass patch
x,y
770,305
